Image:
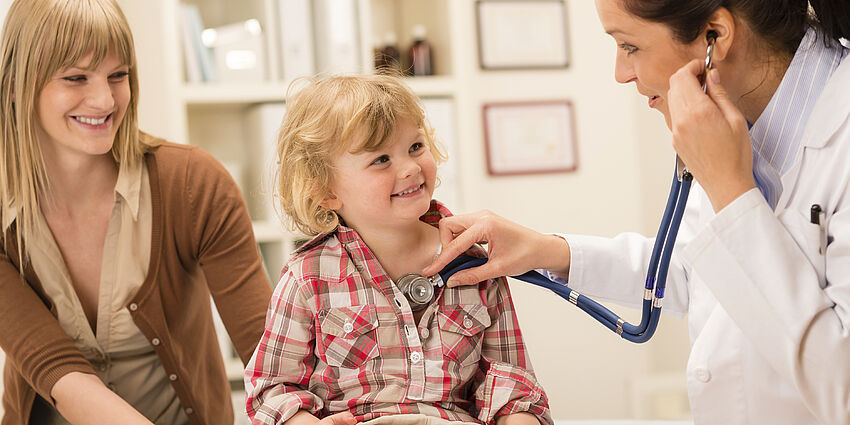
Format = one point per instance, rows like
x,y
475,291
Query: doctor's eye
x,y
628,48
381,160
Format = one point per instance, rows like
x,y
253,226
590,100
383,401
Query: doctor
x,y
762,265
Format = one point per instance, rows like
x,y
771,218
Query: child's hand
x,y
304,417
517,419
344,418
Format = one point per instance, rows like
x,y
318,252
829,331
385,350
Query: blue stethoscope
x,y
659,263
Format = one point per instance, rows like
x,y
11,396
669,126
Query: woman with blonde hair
x,y
112,240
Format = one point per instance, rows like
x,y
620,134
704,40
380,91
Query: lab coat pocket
x,y
461,327
813,244
347,336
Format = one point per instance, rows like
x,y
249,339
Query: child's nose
x,y
409,168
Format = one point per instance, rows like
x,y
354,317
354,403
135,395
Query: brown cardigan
x,y
202,243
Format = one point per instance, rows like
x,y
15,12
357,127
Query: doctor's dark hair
x,y
780,23
329,116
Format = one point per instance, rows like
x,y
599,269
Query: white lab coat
x,y
768,311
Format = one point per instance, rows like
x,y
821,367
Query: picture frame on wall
x,y
530,137
522,34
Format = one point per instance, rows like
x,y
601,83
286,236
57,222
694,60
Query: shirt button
x,y
424,333
155,341
702,375
134,306
348,327
415,357
467,322
189,410
172,377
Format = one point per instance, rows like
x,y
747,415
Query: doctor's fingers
x,y
720,96
457,234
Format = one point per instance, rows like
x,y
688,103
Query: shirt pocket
x,y
347,336
461,329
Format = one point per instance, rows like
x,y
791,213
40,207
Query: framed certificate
x,y
530,137
520,34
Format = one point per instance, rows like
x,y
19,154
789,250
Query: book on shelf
x,y
197,57
296,38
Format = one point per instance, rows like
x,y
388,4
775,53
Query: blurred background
x,y
214,73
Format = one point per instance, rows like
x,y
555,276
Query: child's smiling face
x,y
391,186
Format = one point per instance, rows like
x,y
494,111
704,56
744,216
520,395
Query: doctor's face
x,y
647,53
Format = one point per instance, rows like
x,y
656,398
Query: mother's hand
x,y
512,249
710,135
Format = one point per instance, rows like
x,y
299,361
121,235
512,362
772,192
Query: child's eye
x,y
417,146
628,48
381,160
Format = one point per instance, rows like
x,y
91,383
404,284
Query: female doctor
x,y
765,283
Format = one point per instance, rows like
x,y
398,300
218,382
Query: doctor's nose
x,y
623,70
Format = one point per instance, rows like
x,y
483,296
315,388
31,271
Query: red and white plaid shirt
x,y
340,336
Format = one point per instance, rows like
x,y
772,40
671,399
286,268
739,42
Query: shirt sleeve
x,y
34,342
278,374
505,382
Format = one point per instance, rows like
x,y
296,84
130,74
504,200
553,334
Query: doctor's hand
x,y
512,249
710,135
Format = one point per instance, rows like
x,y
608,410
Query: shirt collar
x,y
129,186
778,131
346,235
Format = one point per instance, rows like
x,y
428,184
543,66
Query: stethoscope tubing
x,y
656,280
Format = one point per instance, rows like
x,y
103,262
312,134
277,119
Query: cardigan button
x,y
155,341
172,377
134,306
189,410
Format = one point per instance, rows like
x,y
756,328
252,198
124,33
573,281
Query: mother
x,y
112,240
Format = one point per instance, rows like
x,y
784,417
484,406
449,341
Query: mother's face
x,y
647,53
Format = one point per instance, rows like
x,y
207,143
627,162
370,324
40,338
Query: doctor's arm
x,y
756,270
511,248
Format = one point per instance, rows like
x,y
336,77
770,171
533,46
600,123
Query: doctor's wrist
x,y
555,255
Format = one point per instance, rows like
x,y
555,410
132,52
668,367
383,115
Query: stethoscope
x,y
420,290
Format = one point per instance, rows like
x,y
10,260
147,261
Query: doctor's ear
x,y
721,26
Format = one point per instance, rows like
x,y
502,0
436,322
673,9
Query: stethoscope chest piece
x,y
418,290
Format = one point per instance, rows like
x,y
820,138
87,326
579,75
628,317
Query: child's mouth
x,y
408,192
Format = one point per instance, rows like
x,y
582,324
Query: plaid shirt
x,y
340,336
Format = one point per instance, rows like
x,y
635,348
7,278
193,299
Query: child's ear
x,y
331,202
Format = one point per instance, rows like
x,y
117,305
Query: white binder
x,y
296,39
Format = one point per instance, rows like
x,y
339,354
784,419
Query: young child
x,y
358,167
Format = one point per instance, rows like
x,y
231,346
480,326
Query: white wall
x,y
625,163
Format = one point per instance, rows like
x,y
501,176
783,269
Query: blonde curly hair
x,y
323,119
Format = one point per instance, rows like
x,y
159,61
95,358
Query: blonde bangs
x,y
40,38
